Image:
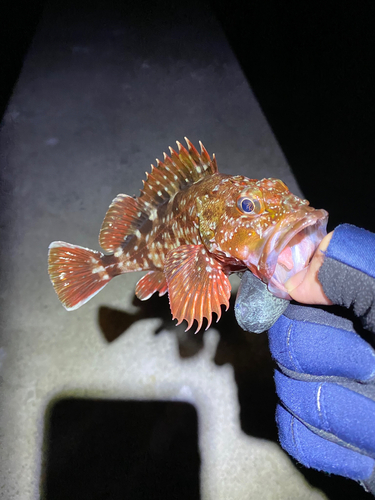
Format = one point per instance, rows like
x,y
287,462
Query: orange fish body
x,y
190,228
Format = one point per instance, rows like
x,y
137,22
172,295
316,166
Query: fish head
x,y
267,228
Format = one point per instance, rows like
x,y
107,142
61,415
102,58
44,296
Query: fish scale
x,y
190,228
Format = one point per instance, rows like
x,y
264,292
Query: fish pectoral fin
x,y
153,281
122,219
197,285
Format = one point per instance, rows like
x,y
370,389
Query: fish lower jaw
x,y
278,289
295,255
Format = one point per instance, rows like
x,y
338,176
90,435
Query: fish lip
x,y
282,234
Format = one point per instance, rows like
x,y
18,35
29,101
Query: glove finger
x,y
256,308
316,452
315,342
334,411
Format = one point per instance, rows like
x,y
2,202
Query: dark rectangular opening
x,y
105,449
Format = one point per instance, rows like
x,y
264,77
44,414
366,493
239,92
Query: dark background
x,y
310,66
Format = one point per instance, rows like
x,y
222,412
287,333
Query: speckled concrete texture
x,y
99,97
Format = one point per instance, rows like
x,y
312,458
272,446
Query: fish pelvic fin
x,y
123,218
77,273
197,285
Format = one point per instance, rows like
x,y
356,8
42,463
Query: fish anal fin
x,y
197,285
153,281
123,218
176,172
77,273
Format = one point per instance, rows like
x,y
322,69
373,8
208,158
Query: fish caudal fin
x,y
77,273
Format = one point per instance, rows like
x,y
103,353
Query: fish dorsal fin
x,y
176,172
126,215
197,285
123,218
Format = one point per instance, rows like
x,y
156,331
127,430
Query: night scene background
x,y
309,66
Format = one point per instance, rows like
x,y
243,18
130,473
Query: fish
x,y
190,228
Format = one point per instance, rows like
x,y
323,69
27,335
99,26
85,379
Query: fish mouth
x,y
290,248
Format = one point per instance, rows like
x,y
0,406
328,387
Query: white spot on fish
x,y
154,213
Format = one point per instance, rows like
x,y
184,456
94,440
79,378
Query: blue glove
x,y
326,381
326,376
326,384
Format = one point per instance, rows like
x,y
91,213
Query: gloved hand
x,y
326,376
326,384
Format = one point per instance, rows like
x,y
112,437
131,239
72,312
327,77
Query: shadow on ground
x,y
248,353
105,449
253,366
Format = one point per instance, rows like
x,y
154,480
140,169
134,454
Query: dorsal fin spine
x,y
167,172
213,164
179,166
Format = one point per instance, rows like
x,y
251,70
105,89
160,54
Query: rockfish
x,y
190,228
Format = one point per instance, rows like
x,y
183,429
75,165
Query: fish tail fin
x,y
77,273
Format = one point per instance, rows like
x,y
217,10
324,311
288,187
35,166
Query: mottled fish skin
x,y
190,228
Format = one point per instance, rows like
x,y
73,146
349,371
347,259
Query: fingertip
x,y
304,287
295,281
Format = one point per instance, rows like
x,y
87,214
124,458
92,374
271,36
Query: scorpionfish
x,y
190,228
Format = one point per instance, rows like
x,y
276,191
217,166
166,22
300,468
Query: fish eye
x,y
249,206
246,205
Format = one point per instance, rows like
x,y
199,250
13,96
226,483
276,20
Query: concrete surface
x,y
99,97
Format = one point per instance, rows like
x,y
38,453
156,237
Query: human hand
x,y
304,287
326,386
326,376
